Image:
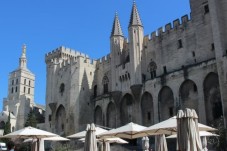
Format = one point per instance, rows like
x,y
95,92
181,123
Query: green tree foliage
x,y
220,143
31,119
7,128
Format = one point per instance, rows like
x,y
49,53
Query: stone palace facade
x,y
145,78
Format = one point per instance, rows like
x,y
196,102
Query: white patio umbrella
x,y
109,140
128,131
169,127
83,133
160,143
187,131
201,134
30,132
90,139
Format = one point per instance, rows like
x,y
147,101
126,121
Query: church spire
x,y
23,59
116,30
135,17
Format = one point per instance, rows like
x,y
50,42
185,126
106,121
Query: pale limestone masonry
x,y
20,98
144,79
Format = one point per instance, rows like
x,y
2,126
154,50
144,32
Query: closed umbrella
x,y
90,139
160,143
188,132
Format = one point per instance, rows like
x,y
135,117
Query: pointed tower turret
x,y
136,35
116,44
23,59
135,17
116,30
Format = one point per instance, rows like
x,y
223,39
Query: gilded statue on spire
x,y
24,49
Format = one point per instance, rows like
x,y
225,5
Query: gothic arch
x,y
111,115
60,120
127,109
188,95
166,103
212,97
105,82
147,109
152,67
98,115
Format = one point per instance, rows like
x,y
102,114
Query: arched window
x,y
152,67
28,90
62,88
105,82
24,81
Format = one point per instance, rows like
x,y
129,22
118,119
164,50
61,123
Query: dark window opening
x,y
149,116
16,89
171,111
62,89
212,47
12,82
24,89
24,81
127,59
193,53
179,44
165,70
12,90
105,88
206,9
62,127
17,81
28,90
49,117
95,91
29,83
143,78
195,88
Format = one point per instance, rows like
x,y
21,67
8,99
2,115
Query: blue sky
x,y
84,25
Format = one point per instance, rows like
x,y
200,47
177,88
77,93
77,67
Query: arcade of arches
x,y
167,107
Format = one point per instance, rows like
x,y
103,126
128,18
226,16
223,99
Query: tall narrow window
x,y
95,90
152,67
29,83
12,82
62,89
28,90
165,70
105,82
206,9
17,81
24,89
12,90
24,81
16,89
179,44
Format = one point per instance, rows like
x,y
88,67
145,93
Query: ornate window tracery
x,y
152,67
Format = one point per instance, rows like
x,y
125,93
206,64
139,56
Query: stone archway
x,y
111,115
98,116
147,109
212,97
127,109
166,103
60,123
189,95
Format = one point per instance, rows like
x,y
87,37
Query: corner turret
x,y
136,35
135,17
116,30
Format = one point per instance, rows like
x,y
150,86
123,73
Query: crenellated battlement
x,y
63,53
104,60
170,28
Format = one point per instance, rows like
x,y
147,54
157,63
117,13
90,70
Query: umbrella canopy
x,y
187,131
29,132
169,127
90,139
83,133
160,143
201,134
128,131
56,138
109,140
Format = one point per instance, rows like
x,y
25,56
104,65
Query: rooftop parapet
x,y
170,28
63,53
